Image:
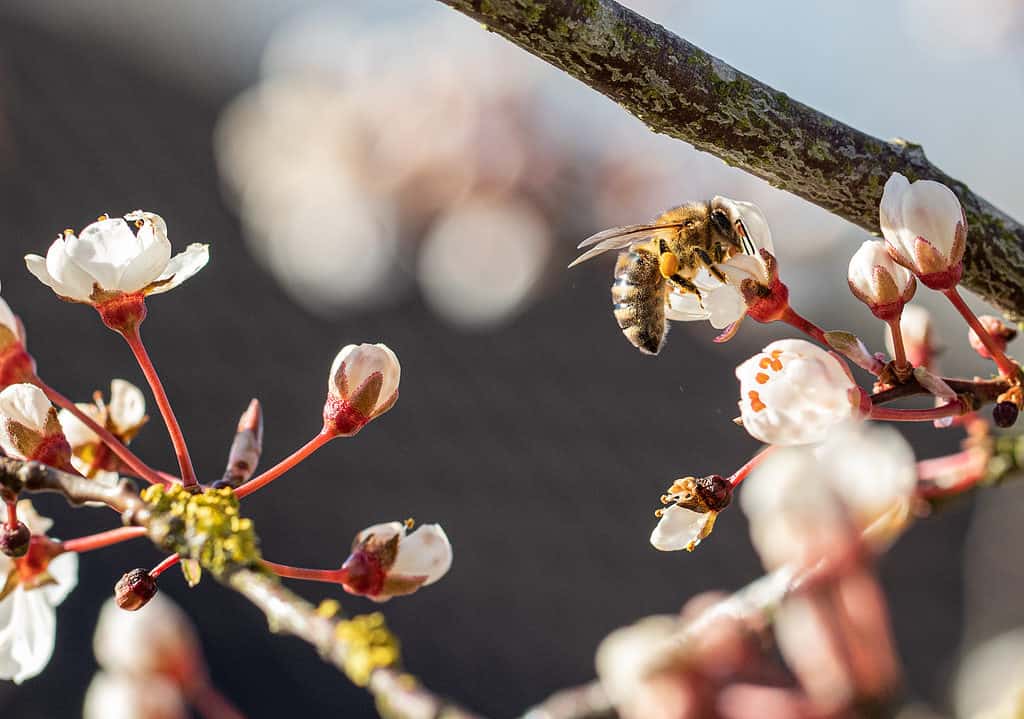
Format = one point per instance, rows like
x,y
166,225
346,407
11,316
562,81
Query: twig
x,y
225,545
679,90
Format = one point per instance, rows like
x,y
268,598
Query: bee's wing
x,y
617,238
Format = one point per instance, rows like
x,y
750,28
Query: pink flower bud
x,y
794,392
387,562
363,385
1001,333
16,364
879,282
919,339
925,229
29,428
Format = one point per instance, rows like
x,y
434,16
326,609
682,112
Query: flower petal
x,y
127,405
424,552
678,528
25,404
77,432
181,267
29,638
153,257
64,570
104,249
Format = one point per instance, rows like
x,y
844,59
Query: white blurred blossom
x,y
120,696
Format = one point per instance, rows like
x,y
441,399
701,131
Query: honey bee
x,y
666,255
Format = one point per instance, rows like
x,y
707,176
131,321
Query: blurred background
x,y
389,171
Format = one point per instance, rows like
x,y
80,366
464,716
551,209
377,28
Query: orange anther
x,y
755,401
761,377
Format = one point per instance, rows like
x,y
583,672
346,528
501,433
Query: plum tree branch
x,y
679,90
211,532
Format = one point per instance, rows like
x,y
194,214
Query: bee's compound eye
x,y
721,221
690,224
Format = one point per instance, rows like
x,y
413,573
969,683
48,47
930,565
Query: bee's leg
x,y
710,264
686,285
668,263
719,252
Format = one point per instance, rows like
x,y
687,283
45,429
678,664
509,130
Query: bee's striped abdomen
x,y
638,299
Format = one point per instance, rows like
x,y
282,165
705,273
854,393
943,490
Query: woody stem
x,y
132,460
101,540
284,465
134,340
313,575
1006,367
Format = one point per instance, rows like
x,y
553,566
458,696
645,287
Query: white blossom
x,y
117,696
877,281
925,228
124,415
625,656
722,303
805,499
107,258
794,393
157,639
28,617
387,560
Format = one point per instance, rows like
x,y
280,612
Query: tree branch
x,y
679,90
206,527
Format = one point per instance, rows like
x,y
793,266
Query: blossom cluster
x,y
834,485
114,265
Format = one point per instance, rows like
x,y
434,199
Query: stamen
x,y
755,401
761,377
409,523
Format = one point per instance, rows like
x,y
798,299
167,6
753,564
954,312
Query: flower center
x,y
31,568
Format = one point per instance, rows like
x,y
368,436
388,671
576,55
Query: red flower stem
x,y
12,514
743,472
312,575
902,365
103,539
284,465
168,562
134,340
132,460
930,468
211,704
1006,367
791,317
954,408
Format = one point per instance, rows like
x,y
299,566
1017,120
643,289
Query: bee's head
x,y
742,223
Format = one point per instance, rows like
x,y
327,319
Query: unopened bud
x,y
1004,414
1000,333
29,428
363,384
14,541
877,281
134,590
245,449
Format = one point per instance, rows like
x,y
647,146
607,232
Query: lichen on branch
x,y
679,90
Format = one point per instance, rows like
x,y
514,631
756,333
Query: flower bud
x,y
14,541
134,590
29,428
1001,334
879,282
363,385
158,639
919,339
246,448
925,229
794,392
386,562
16,364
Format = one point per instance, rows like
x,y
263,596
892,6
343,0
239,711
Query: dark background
x,y
541,448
